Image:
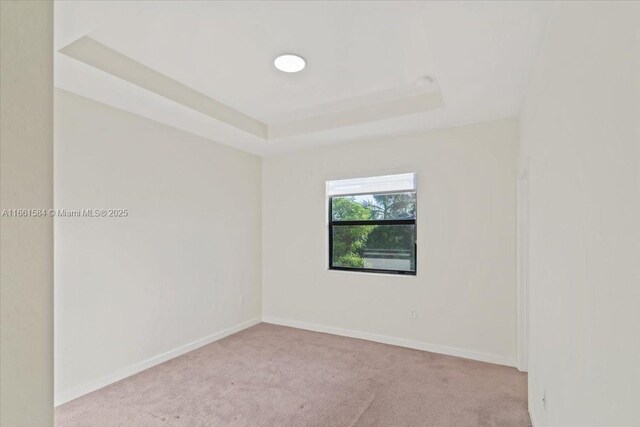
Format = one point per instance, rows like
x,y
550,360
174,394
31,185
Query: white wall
x,y
182,267
465,288
26,182
581,139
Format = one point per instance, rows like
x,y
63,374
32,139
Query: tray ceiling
x,y
207,67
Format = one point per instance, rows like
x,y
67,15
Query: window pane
x,y
380,247
374,206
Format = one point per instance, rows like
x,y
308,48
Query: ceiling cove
x,y
409,99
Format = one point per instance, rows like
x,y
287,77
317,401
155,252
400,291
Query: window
x,y
372,224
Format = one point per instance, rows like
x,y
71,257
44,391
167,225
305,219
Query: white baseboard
x,y
83,389
401,342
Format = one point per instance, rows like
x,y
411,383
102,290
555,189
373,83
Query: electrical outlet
x,y
413,314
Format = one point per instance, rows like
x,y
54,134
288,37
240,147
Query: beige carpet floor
x,y
271,375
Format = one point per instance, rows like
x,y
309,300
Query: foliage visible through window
x,y
373,232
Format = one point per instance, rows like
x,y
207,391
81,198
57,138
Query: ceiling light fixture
x,y
290,63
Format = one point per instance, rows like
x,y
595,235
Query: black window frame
x,y
337,223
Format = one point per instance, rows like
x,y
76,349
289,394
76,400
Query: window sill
x,y
368,273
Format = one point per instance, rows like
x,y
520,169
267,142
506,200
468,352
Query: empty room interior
x,y
320,213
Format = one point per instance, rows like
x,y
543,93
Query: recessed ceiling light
x,y
290,63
